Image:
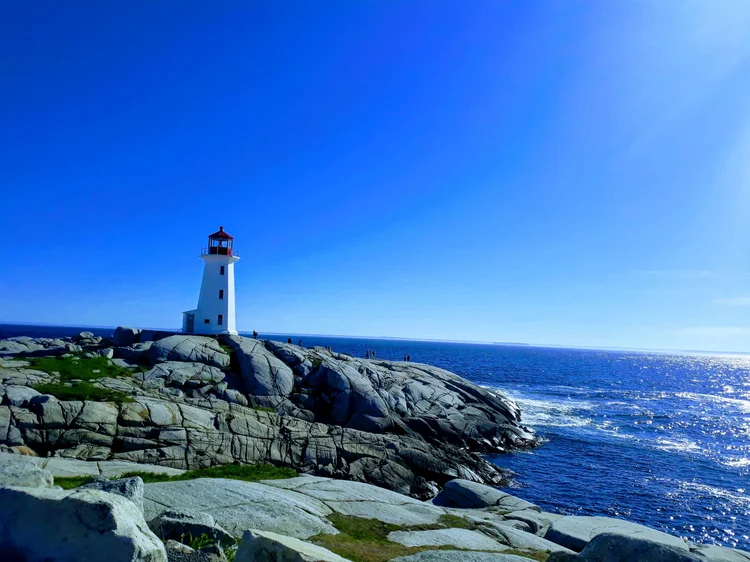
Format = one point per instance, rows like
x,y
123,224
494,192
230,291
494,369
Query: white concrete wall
x,y
209,303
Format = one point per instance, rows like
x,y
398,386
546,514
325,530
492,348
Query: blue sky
x,y
573,173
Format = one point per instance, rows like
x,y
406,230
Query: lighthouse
x,y
215,312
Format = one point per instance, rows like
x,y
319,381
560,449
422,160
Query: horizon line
x,y
415,339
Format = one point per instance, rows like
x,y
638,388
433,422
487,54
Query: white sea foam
x,y
738,462
677,445
742,405
737,497
552,413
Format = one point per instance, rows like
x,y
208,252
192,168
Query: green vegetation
x,y
203,540
366,540
316,362
246,472
455,522
263,409
538,555
82,391
69,482
78,368
78,372
230,551
196,543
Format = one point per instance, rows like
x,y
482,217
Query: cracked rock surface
x,y
198,401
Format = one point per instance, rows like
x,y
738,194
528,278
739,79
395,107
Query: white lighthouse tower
x,y
215,312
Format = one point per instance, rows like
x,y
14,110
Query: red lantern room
x,y
220,243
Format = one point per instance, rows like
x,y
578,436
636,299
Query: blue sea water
x,y
661,439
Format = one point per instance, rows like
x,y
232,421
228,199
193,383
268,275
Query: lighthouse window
x,y
220,320
221,271
221,293
206,321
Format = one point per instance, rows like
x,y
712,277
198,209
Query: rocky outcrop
x,y
404,426
467,494
36,347
272,547
125,336
305,518
189,349
130,488
575,532
23,472
177,524
381,396
607,547
52,524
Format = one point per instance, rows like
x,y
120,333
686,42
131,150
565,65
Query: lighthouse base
x,y
194,323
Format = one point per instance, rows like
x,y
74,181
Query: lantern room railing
x,y
219,250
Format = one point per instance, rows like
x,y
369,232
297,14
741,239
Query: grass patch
x,y
69,482
366,540
449,521
196,543
538,555
81,368
245,472
316,362
82,391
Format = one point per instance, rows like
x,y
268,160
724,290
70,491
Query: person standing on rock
x,y
289,340
255,335
299,343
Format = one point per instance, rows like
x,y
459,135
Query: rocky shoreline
x,y
389,457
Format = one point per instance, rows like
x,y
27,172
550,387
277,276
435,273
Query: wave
x,y
735,497
741,462
683,445
742,405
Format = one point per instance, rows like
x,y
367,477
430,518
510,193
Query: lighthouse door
x,y
190,323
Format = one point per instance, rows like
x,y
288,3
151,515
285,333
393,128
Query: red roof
x,y
221,234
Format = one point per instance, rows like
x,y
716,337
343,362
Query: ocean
x,y
657,438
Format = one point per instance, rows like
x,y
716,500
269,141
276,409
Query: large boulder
x,y
362,500
713,553
606,547
575,532
178,524
459,538
189,348
516,538
473,495
237,506
537,521
125,336
271,547
180,373
52,524
22,471
263,374
130,488
17,395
